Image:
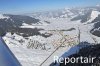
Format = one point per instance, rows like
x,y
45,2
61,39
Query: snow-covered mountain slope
x,y
3,17
84,14
94,14
60,13
22,25
33,39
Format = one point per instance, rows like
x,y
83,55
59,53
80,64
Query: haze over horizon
x,y
29,6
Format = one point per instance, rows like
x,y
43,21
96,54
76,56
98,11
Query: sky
x,y
28,6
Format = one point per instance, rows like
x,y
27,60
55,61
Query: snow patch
x,y
94,14
3,17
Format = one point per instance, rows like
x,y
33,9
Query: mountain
x,y
13,24
60,13
39,34
16,20
89,14
3,17
96,29
86,52
78,13
85,15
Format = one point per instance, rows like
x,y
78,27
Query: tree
x,y
2,32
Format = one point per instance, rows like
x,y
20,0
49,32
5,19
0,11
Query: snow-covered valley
x,y
58,35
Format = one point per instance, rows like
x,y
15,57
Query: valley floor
x,y
34,57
